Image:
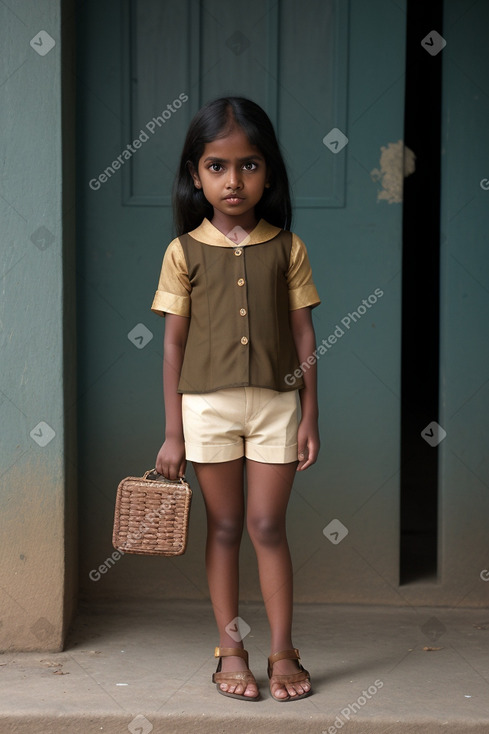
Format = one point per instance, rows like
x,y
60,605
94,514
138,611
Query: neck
x,y
225,223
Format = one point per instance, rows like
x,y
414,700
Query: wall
x,y
37,338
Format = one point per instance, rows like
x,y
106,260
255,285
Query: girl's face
x,y
232,174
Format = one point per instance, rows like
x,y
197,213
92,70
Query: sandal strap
x,y
284,655
224,652
302,673
243,676
299,677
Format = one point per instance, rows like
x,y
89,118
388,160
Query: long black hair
x,y
214,120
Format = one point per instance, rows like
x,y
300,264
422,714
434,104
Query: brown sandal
x,y
299,677
243,676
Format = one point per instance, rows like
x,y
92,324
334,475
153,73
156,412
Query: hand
x,y
171,458
307,443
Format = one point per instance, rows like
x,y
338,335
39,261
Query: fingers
x,y
169,467
307,454
170,461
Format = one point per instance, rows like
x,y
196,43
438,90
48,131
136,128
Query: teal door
x,y
331,77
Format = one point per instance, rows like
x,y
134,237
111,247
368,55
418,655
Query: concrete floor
x,y
140,667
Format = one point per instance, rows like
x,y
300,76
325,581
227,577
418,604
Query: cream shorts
x,y
255,422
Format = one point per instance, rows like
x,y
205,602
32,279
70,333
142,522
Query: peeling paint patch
x,y
396,162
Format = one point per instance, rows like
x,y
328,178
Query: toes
x,y
239,689
280,692
295,689
251,691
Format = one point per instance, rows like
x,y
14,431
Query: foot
x,y
234,664
288,667
289,680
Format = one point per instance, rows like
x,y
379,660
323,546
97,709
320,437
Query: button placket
x,y
242,303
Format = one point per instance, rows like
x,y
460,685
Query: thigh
x,y
268,489
222,488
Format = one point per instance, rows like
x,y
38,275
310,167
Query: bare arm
x,y
305,344
171,457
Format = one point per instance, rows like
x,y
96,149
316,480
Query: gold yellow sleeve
x,y
302,291
173,293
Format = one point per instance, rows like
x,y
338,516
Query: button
x,y
244,340
242,311
241,281
238,251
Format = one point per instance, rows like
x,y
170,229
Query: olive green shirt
x,y
238,298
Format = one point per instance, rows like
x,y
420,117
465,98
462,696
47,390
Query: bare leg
x,y
269,487
222,489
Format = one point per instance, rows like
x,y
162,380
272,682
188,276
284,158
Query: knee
x,y
226,531
266,531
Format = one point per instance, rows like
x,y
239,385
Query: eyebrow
x,y
253,156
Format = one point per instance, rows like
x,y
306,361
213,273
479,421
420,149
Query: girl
x,y
237,291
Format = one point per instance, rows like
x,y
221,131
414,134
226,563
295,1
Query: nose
x,y
234,178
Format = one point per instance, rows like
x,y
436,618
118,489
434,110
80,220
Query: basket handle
x,y
153,474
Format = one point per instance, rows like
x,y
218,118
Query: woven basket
x,y
152,515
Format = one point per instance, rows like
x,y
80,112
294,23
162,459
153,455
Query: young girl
x,y
237,291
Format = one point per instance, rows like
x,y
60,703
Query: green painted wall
x,y
37,335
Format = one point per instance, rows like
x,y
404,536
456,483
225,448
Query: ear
x,y
194,174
